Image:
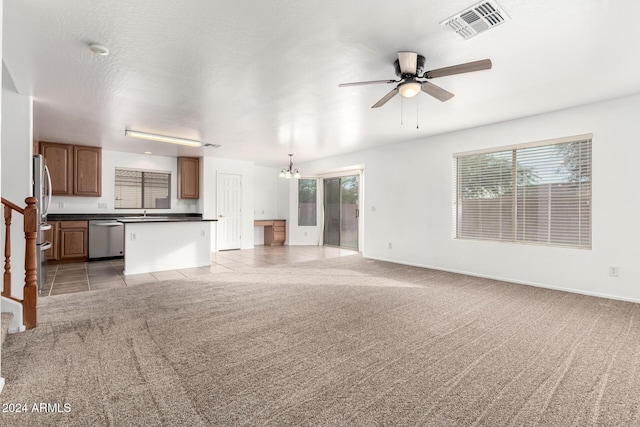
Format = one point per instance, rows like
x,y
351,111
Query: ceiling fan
x,y
409,67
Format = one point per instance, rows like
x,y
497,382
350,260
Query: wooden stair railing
x,y
30,292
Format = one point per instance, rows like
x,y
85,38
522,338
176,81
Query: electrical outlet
x,y
102,206
60,205
373,208
614,271
390,245
133,236
201,233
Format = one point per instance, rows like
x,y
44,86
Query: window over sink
x,y
141,189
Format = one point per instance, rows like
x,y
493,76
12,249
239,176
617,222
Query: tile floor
x,y
90,276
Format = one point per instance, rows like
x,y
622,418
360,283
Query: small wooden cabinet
x,y
188,178
279,233
76,170
69,241
59,161
274,231
87,176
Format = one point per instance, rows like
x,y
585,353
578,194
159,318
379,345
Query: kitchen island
x,y
165,243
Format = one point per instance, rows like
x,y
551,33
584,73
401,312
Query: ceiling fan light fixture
x,y
162,138
409,89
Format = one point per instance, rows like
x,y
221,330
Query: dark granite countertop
x,y
106,216
137,220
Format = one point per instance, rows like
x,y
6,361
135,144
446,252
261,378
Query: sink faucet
x,y
144,214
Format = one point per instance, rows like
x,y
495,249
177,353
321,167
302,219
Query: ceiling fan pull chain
x,y
418,113
401,111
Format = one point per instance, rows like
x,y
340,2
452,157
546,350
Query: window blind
x,y
137,189
539,194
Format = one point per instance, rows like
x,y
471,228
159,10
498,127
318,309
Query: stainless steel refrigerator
x,y
42,192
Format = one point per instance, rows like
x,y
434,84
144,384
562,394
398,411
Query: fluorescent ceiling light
x,y
162,138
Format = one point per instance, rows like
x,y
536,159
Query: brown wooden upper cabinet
x,y
188,178
87,178
76,170
59,160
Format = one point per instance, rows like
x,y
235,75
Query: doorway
x,y
341,211
229,211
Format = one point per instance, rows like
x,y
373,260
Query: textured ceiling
x,y
261,77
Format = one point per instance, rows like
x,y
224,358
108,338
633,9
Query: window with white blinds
x,y
538,193
137,189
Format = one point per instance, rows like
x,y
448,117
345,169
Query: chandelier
x,y
289,172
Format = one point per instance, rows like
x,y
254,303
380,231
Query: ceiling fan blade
x,y
484,64
408,62
385,98
436,91
372,82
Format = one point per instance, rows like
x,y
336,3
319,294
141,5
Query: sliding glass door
x,y
341,211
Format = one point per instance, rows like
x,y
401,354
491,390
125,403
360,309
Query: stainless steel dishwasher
x,y
106,239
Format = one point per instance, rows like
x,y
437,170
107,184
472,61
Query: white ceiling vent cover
x,y
476,19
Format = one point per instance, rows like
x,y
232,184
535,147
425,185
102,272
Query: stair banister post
x,y
6,289
30,263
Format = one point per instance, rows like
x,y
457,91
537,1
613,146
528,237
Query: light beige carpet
x,y
344,341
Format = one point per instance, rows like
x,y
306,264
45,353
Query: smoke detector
x,y
476,19
99,49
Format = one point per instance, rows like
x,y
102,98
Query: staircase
x,y
22,311
5,320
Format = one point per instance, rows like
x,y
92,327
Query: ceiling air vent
x,y
476,19
211,145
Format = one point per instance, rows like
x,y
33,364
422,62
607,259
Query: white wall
x,y
265,190
208,194
409,201
17,113
111,160
1,144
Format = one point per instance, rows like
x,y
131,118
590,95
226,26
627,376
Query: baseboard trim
x,y
15,330
506,279
11,306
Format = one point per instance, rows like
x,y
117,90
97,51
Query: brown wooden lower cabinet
x,y
274,231
69,241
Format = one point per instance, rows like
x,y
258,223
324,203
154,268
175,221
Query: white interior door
x,y
229,211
